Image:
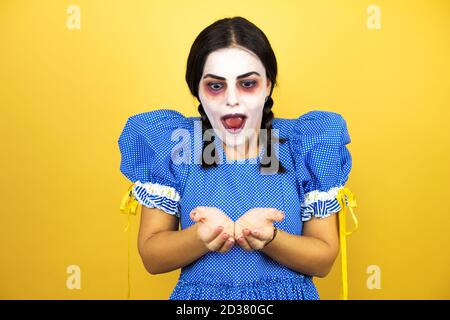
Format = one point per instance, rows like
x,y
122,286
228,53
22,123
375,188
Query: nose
x,y
232,98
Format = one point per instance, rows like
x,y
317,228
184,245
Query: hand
x,y
215,228
255,227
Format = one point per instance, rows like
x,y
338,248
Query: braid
x,y
266,124
206,124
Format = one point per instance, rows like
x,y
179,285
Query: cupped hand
x,y
215,228
255,227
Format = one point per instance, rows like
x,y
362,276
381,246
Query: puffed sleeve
x,y
322,161
147,152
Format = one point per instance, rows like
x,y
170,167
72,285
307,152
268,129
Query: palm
x,y
211,219
256,219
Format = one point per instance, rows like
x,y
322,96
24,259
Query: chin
x,y
232,140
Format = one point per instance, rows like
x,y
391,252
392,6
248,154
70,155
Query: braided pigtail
x,y
206,124
266,124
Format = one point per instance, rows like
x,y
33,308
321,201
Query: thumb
x,y
197,215
276,216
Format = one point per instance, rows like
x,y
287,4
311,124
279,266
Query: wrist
x,y
200,243
275,232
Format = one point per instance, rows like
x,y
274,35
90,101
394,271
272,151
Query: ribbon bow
x,y
128,206
346,199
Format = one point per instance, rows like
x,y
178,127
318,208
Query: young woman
x,y
257,201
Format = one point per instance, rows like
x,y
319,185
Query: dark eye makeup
x,y
246,84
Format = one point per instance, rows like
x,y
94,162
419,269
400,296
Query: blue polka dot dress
x,y
160,155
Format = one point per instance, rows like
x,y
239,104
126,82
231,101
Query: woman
x,y
256,204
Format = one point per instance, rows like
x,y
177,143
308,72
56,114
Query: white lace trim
x,y
316,195
160,190
308,216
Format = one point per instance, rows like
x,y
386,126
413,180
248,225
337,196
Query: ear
x,y
269,84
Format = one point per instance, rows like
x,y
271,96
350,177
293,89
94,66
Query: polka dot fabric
x,y
146,147
316,161
323,162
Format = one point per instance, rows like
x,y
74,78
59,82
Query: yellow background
x,y
65,96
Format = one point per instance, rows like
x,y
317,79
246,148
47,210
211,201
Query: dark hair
x,y
226,33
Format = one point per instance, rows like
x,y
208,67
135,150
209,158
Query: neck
x,y
250,149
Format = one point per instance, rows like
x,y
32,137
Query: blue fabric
x,y
146,147
323,161
317,163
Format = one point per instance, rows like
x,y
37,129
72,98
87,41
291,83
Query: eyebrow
x,y
238,77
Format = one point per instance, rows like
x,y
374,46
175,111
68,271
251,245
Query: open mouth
x,y
234,122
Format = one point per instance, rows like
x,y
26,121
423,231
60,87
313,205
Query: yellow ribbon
x,y
128,206
350,203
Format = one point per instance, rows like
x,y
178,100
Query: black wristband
x,y
275,229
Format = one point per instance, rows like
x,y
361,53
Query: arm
x,y
312,253
164,248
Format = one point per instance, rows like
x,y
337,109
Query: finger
x,y
214,234
276,215
254,243
242,241
258,235
227,245
197,215
219,241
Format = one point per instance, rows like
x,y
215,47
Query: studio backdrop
x,y
72,72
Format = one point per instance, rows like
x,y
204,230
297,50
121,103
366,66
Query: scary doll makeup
x,y
232,90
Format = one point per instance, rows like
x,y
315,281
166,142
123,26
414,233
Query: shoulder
x,y
319,122
315,124
152,146
148,141
158,128
160,119
317,140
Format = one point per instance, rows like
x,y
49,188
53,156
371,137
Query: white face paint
x,y
230,95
